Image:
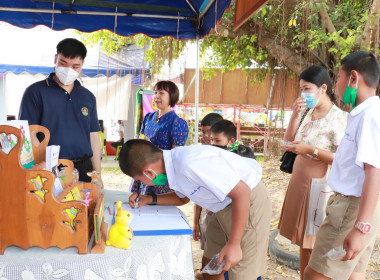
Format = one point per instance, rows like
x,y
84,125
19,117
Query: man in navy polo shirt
x,y
61,104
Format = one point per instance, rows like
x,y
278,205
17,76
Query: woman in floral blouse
x,y
164,128
315,143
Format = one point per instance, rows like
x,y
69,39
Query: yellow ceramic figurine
x,y
120,234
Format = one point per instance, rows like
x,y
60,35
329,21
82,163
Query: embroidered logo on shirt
x,y
195,190
348,137
84,111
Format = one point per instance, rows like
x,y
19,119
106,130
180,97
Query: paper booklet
x,y
157,220
52,155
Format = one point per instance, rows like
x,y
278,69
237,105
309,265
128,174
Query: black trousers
x,y
115,144
84,166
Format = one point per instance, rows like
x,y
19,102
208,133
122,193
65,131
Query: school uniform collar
x,y
364,105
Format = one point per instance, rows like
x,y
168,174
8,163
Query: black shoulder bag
x,y
288,158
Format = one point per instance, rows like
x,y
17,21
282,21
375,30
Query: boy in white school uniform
x,y
223,182
353,212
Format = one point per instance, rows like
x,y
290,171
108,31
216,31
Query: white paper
x,y
52,156
153,210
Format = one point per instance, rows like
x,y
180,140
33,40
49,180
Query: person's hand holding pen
x,y
136,200
143,200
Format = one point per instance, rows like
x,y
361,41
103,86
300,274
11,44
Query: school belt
x,y
340,194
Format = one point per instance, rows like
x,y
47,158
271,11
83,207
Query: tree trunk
x,y
288,55
371,28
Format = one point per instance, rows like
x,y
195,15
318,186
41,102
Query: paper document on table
x,y
157,220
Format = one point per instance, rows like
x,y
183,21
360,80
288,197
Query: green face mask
x,y
349,95
161,179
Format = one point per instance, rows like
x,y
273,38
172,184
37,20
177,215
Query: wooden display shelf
x,y
27,220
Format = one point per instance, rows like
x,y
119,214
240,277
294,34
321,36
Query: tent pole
x,y
3,111
196,123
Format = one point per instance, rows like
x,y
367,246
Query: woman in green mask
x,y
314,140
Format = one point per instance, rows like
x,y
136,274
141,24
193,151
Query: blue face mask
x,y
310,99
161,179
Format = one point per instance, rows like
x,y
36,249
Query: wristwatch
x,y
314,154
363,227
154,199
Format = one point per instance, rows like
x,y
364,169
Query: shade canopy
x,y
181,19
35,60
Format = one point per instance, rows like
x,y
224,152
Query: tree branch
x,y
326,19
286,54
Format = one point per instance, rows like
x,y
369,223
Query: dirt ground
x,y
276,182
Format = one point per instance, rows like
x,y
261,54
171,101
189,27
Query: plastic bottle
x,y
335,254
214,267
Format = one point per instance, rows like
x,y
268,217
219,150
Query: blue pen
x,y
138,196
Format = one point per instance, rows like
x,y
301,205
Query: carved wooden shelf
x,y
27,220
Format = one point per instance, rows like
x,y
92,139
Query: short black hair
x,y
137,153
366,64
171,88
226,127
210,119
72,48
318,76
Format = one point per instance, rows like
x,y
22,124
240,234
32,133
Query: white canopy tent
x,y
110,79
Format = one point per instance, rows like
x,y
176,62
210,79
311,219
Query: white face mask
x,y
66,75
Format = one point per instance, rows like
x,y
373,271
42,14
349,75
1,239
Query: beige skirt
x,y
294,212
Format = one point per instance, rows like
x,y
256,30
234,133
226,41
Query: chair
x,y
102,146
118,148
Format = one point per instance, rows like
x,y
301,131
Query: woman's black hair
x,y
171,88
318,75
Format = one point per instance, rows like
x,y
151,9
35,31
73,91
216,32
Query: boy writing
x,y
353,212
220,181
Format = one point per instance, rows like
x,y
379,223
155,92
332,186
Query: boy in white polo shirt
x,y
353,212
223,182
